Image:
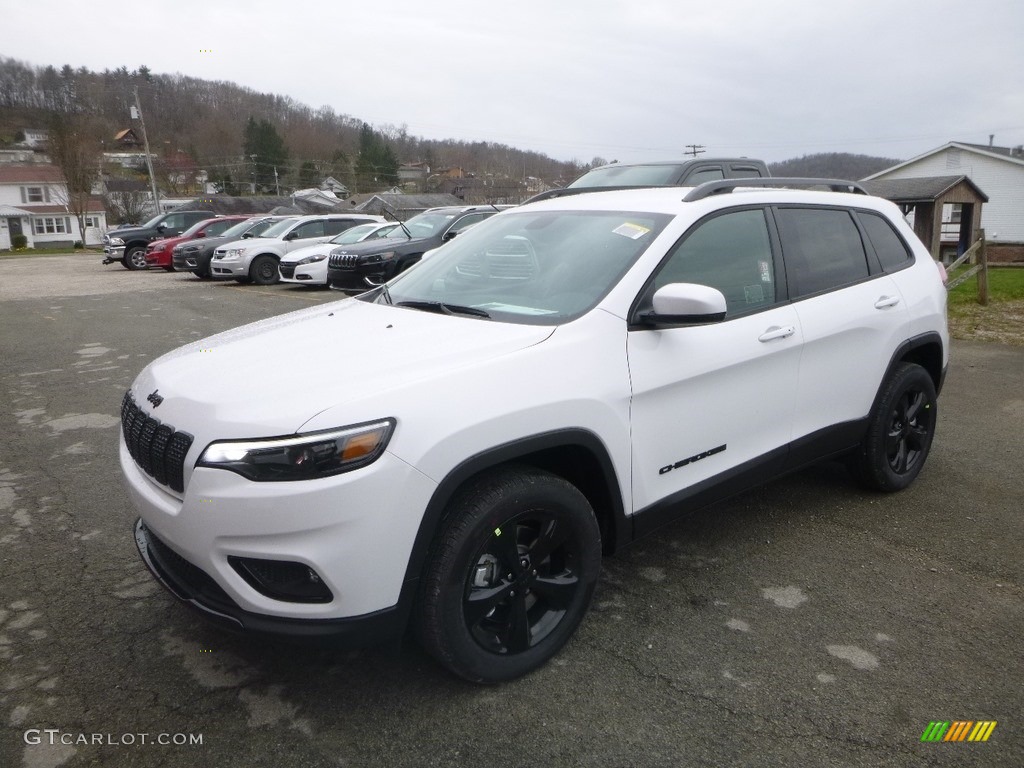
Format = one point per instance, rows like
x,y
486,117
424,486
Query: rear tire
x,y
900,431
511,575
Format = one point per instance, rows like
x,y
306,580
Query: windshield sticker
x,y
515,308
766,272
632,231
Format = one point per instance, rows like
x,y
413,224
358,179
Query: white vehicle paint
x,y
625,355
308,265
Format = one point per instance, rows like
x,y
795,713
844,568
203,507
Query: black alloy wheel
x,y
512,576
900,431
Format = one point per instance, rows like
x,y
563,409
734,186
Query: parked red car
x,y
158,253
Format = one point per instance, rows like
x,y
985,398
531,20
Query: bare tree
x,y
74,147
128,207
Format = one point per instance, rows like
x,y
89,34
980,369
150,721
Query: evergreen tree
x,y
265,150
377,165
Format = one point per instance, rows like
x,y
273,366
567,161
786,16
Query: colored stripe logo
x,y
958,730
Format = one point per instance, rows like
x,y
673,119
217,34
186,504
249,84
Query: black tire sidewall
x,y
490,504
254,270
873,465
128,258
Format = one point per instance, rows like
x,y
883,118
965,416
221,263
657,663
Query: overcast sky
x,y
576,79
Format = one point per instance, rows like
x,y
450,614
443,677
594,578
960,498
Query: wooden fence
x,y
980,268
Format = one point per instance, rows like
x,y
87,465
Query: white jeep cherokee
x,y
558,381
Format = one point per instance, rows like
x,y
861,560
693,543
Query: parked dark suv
x,y
661,173
364,265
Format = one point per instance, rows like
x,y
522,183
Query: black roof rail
x,y
709,188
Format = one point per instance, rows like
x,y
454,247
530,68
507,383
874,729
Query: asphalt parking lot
x,y
807,623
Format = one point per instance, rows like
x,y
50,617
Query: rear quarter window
x,y
892,252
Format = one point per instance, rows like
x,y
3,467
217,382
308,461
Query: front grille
x,y
157,448
287,270
343,260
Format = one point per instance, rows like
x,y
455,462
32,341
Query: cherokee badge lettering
x,y
697,457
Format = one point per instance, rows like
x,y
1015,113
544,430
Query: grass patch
x,y
1002,320
28,253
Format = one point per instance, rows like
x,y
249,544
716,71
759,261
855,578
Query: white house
x,y
997,171
34,203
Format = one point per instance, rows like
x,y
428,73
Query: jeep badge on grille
x,y
155,399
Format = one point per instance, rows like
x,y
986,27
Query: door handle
x,y
887,301
777,332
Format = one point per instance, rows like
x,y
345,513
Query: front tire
x,y
263,270
511,576
135,258
900,431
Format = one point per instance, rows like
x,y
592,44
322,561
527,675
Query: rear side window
x,y
822,249
892,252
731,252
704,174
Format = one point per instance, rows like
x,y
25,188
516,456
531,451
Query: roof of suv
x,y
675,200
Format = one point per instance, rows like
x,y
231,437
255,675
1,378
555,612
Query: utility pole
x,y
277,186
149,160
695,149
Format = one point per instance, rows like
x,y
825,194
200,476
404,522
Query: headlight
x,y
235,253
311,259
189,248
116,241
303,457
378,257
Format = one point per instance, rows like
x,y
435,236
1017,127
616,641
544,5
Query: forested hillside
x,y
832,165
207,121
214,126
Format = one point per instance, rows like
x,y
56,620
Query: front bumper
x,y
113,253
354,530
355,278
201,593
314,273
228,268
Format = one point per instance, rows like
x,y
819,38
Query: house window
x,y
92,222
49,226
35,194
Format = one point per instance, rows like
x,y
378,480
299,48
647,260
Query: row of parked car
x,y
358,250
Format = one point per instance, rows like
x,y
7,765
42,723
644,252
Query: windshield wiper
x,y
443,308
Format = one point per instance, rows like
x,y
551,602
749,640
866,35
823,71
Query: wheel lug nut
x,y
512,593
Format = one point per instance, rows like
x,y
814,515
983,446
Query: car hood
x,y
271,377
307,250
376,246
204,242
130,231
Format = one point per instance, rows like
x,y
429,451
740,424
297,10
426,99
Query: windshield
x,y
235,231
354,234
194,228
278,228
628,176
532,267
426,224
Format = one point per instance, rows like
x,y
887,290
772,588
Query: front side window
x,y
279,228
731,252
822,249
310,229
704,174
218,227
533,267
174,222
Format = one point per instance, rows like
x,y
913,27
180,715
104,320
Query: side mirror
x,y
291,235
685,304
161,226
449,235
200,234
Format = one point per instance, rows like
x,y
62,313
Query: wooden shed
x,y
925,196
